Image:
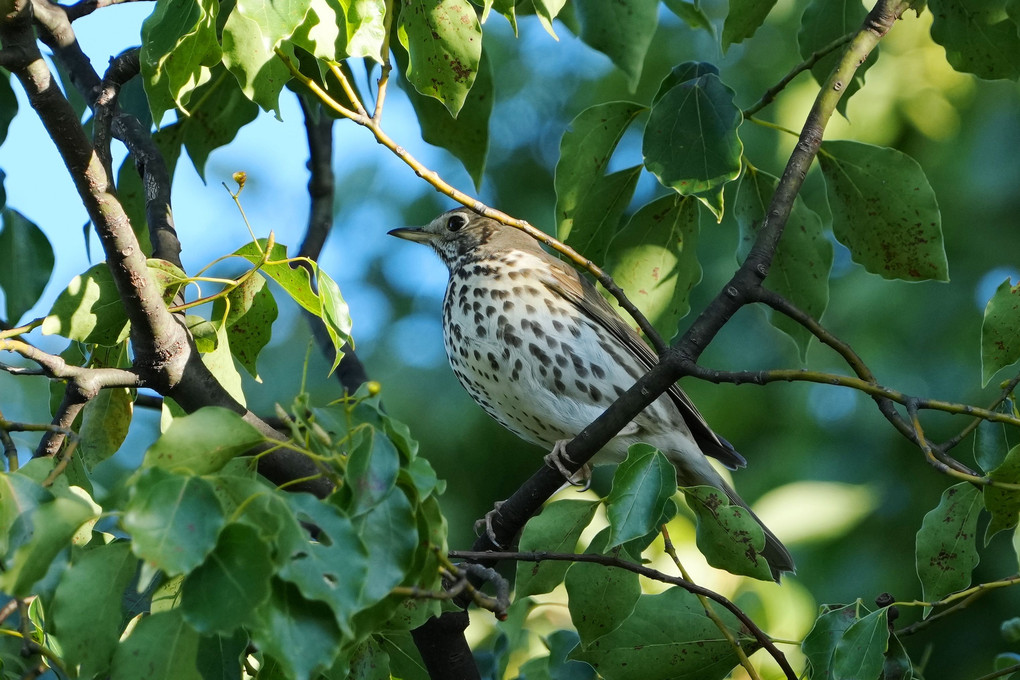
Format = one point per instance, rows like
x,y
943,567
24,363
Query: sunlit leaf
x,y
179,48
819,645
654,259
202,442
218,110
444,44
248,313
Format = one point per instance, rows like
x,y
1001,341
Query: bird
x,y
542,352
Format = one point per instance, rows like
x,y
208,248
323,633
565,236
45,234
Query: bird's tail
x,y
775,553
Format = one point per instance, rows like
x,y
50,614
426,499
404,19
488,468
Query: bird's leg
x,y
557,459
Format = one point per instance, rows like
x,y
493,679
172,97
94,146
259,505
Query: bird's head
x,y
461,235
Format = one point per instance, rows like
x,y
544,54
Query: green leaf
x,y
667,636
300,634
248,313
743,19
252,31
947,543
366,28
1003,504
323,33
88,614
621,30
391,533
690,142
42,533
90,310
26,265
860,652
20,496
823,22
992,441
202,442
820,643
220,109
443,40
600,598
557,529
654,259
179,49
979,36
642,485
800,269
220,657
328,304
884,211
727,535
1000,331
333,569
466,136
161,647
173,520
8,109
335,315
372,467
692,15
104,427
223,592
589,203
211,340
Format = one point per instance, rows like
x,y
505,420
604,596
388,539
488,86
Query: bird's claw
x,y
558,460
486,523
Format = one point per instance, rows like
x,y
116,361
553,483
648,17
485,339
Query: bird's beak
x,y
416,234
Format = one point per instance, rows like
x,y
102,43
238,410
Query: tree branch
x,y
486,557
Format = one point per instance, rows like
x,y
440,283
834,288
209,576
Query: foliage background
x,y
922,338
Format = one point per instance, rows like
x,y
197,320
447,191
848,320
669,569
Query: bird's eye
x,y
455,222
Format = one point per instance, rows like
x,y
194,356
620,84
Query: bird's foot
x,y
486,524
558,460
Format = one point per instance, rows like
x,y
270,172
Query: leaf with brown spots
x,y
946,549
884,211
728,535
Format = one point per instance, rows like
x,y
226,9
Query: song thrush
x,y
540,350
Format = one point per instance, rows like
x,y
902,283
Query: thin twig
x,y
670,550
813,58
437,182
764,640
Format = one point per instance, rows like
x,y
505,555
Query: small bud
x,y
374,387
240,177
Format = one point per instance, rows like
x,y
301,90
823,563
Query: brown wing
x,y
583,295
